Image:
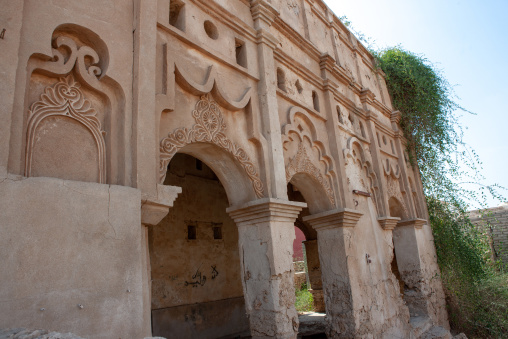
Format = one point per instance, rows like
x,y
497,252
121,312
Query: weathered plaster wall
x,y
204,82
196,277
67,243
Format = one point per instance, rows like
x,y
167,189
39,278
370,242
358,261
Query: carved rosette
x,y
65,98
301,163
209,128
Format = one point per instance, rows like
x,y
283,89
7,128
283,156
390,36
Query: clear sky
x,y
468,41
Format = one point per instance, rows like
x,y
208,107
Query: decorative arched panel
x,y
306,157
359,169
209,127
73,127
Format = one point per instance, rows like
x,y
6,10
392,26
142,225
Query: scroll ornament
x,y
65,98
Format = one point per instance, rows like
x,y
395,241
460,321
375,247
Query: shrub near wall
x,y
477,294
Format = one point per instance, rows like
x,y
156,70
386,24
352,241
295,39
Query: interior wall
x,y
195,280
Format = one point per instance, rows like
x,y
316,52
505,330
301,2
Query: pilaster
x,y
395,120
146,157
344,197
367,97
264,14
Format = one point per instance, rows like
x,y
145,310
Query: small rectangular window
x,y
217,232
177,14
241,53
191,232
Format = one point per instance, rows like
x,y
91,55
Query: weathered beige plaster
x,y
81,247
269,95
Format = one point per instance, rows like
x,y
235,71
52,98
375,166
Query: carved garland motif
x,y
302,164
65,99
209,127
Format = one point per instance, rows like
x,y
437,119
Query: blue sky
x,y
468,41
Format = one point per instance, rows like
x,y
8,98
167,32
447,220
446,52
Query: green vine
x,y
430,122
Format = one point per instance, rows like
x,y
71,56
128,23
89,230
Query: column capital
x,y
416,223
266,210
388,223
326,62
263,13
265,37
367,96
154,210
333,219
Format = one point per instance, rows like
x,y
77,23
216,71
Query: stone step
x,y
420,325
311,323
22,333
437,333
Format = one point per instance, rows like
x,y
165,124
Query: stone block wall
x,y
496,219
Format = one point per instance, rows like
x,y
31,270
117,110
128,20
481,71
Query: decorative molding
x,y
333,219
416,223
391,169
153,210
302,164
68,56
388,223
65,99
210,127
263,11
265,210
210,86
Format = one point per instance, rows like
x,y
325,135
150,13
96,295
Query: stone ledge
x,y
335,218
416,223
388,223
266,209
154,210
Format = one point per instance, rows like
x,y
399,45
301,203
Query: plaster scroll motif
x,y
301,163
68,56
67,100
210,127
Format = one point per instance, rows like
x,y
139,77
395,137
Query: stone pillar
x,y
263,14
408,252
265,239
152,213
339,270
314,272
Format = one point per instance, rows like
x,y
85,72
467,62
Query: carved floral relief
x,y
65,99
210,127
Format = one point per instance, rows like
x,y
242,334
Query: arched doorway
x,y
302,187
196,289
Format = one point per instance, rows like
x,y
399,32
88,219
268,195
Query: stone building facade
x,y
495,219
156,155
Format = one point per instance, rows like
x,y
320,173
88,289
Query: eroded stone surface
x,y
277,107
